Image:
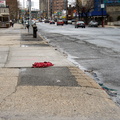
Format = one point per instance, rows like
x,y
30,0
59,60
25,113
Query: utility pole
x,y
29,18
48,9
78,9
102,7
66,9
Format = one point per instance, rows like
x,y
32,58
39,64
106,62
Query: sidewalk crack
x,y
7,57
8,96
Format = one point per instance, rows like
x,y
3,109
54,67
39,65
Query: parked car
x,y
37,21
73,21
69,21
60,22
43,20
52,22
46,21
65,21
93,24
80,24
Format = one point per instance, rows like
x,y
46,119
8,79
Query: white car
x,y
93,24
69,21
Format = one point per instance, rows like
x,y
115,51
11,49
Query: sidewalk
x,y
60,92
112,26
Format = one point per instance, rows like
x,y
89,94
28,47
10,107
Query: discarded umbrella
x,y
42,64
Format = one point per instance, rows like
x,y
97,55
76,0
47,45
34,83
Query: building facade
x,y
113,10
49,8
43,5
109,9
4,14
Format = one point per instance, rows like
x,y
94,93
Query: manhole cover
x,y
51,76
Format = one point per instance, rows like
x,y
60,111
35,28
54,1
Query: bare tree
x,y
78,7
13,7
84,8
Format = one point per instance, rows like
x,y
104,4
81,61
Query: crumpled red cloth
x,y
42,64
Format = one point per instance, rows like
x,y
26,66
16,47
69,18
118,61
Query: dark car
x,y
52,22
80,24
93,24
46,21
60,22
73,21
65,21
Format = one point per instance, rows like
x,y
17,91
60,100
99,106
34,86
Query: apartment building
x,y
49,7
59,5
4,14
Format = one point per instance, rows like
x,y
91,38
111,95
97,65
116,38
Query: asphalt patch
x,y
51,76
29,37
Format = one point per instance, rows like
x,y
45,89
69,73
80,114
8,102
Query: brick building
x,y
59,5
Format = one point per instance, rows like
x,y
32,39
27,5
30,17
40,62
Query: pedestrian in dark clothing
x,y
12,23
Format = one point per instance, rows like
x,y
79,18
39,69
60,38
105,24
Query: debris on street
x,y
42,64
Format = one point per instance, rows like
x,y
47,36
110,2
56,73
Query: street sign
x,y
102,5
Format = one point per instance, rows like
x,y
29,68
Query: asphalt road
x,y
95,50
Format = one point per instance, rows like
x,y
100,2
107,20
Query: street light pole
x,y
66,9
29,18
48,9
102,7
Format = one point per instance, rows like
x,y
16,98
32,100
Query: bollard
x,y
34,31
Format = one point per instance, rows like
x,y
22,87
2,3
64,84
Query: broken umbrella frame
x,y
42,64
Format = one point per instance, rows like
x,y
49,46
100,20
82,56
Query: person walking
x,y
12,23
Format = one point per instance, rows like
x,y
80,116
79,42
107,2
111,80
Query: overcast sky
x,y
35,5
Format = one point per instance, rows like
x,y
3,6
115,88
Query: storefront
x,y
4,17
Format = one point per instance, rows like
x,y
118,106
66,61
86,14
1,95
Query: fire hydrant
x,y
34,30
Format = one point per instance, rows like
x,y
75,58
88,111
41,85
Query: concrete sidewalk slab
x,y
8,82
25,57
71,102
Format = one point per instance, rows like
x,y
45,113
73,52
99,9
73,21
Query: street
x,y
95,50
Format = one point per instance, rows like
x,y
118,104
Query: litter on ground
x,y
42,64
